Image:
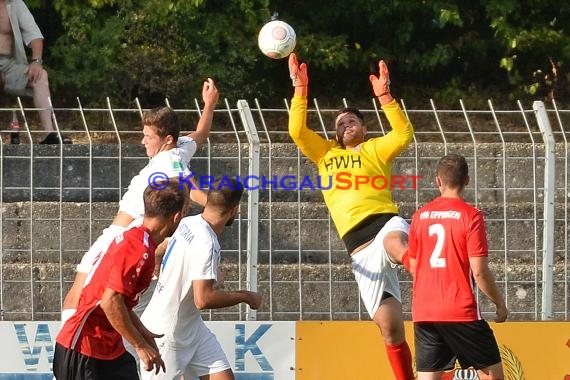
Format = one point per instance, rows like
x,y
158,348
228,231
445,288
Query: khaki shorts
x,y
14,79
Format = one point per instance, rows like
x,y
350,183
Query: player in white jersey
x,y
169,156
187,284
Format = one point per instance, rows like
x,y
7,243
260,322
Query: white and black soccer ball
x,y
276,39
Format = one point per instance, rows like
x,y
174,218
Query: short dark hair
x,y
355,111
224,194
165,199
453,171
165,120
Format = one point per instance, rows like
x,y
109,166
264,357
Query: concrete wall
x,y
45,232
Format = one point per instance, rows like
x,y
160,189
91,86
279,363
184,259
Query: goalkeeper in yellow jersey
x,y
362,208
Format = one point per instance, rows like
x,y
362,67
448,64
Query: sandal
x,y
53,138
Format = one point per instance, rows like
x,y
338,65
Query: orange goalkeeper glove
x,y
298,74
381,83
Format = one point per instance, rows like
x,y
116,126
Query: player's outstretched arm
x,y
207,296
210,97
309,142
402,130
198,195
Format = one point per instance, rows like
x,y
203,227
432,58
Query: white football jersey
x,y
193,253
101,245
169,162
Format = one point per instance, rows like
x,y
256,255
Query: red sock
x,y
400,358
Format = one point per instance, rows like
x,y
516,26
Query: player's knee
x,y
390,320
392,329
44,75
392,334
396,244
42,82
494,372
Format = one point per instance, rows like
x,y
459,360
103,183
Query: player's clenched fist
x,y
254,300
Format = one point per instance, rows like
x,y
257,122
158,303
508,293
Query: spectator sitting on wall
x,y
18,77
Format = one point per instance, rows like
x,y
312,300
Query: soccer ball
x,y
276,39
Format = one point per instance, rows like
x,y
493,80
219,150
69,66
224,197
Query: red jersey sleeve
x,y
132,269
477,236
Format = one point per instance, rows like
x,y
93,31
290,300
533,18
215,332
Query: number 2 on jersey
x,y
435,261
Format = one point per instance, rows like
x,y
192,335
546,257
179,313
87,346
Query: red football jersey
x,y
443,235
127,268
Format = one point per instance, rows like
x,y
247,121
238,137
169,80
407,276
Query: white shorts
x,y
99,246
374,271
203,357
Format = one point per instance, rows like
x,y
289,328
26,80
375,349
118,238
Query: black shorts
x,y
439,344
71,365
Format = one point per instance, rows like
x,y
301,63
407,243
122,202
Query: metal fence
x,y
56,199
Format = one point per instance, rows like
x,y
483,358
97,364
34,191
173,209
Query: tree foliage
x,y
442,49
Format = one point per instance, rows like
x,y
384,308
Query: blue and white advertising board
x,y
256,350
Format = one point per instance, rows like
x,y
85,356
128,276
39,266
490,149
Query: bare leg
x,y
396,243
493,372
224,375
390,320
430,375
41,96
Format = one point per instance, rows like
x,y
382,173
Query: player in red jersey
x,y
89,345
448,259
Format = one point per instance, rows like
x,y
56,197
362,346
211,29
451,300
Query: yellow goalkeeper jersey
x,y
355,182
